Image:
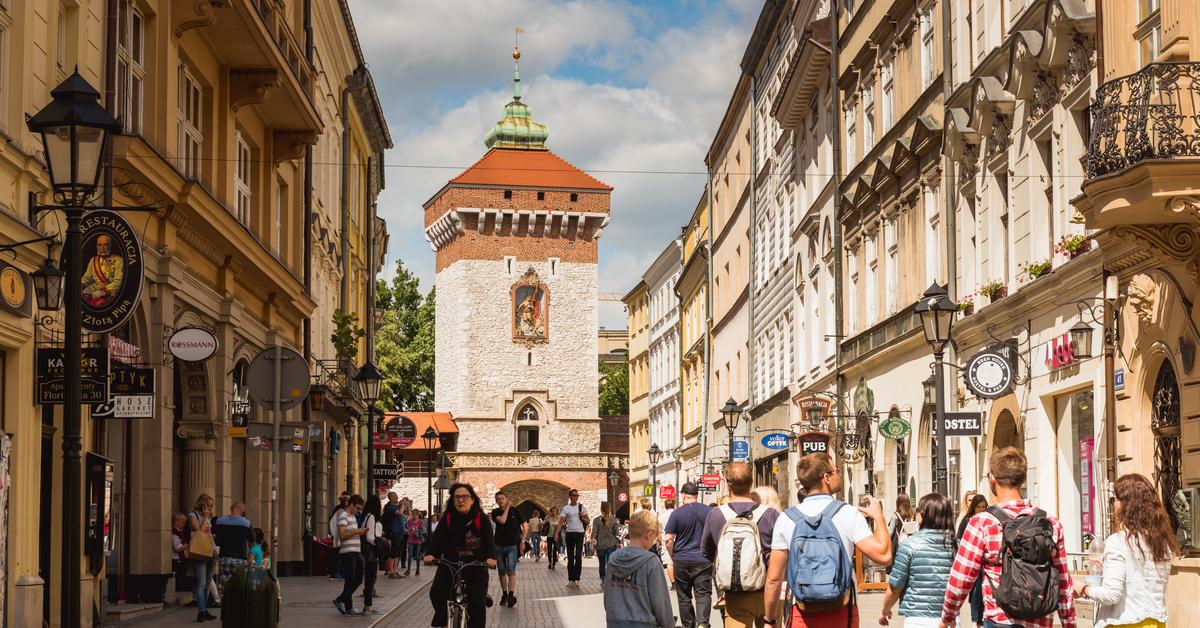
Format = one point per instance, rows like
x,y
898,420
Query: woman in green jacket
x,y
922,566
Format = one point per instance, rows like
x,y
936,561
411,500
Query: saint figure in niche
x,y
529,311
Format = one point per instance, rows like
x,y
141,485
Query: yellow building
x,y
692,290
637,314
217,138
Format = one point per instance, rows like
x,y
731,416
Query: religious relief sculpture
x,y
531,309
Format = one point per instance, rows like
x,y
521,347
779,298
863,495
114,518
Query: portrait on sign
x,y
112,274
530,308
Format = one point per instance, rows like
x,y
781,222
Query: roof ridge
x,y
585,172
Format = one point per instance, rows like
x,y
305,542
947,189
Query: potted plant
x,y
994,290
1033,270
1073,245
966,305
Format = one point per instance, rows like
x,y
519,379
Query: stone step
x,y
126,612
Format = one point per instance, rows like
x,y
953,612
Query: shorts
x,y
506,559
399,543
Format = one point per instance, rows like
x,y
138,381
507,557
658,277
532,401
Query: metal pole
x,y
940,481
654,486
72,443
429,498
372,488
278,392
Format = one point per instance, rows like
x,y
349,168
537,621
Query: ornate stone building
x,y
516,237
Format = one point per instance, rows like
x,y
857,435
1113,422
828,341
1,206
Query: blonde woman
x,y
767,496
199,525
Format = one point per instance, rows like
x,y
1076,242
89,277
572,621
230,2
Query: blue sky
x,y
628,86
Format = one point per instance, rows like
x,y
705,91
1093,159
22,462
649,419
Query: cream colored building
x,y
694,325
637,309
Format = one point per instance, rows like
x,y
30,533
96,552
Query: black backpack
x,y
1028,587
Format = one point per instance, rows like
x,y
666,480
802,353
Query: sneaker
x,y
338,605
512,600
371,611
504,598
354,612
209,616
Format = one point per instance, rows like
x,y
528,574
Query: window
x,y
926,20
852,293
507,194
541,196
888,90
933,259
868,100
848,114
872,279
281,195
241,179
891,270
131,68
527,438
5,23
191,129
1148,31
574,197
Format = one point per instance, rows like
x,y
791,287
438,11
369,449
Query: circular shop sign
x,y
192,344
989,375
894,428
112,271
402,432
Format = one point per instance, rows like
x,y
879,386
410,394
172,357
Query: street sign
x,y
814,443
962,424
51,375
989,374
402,432
293,437
741,449
622,497
666,491
293,378
1119,379
775,440
706,489
710,479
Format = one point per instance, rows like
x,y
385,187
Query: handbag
x,y
200,542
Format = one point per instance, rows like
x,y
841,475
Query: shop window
x,y
1164,419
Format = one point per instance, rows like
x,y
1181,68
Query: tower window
x,y
529,359
541,196
527,438
553,266
508,194
574,197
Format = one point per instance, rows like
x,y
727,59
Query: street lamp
x,y
368,380
929,388
47,286
655,455
430,437
732,413
74,129
937,320
1081,340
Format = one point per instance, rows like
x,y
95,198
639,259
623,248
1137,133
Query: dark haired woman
x,y
977,505
369,518
1137,559
922,566
464,534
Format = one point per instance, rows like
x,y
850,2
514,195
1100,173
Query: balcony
x,y
1143,160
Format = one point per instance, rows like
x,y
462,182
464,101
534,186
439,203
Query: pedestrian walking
x,y
335,562
922,566
463,534
535,536
635,590
574,520
824,532
693,572
416,540
664,515
233,534
1012,569
1137,559
200,550
976,504
766,496
606,531
903,523
510,534
729,531
551,528
350,554
369,518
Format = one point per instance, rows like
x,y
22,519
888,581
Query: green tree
x,y
346,334
614,389
404,343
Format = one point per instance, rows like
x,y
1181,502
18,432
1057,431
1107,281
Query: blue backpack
x,y
818,569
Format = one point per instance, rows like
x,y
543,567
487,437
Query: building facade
x,y
665,427
694,323
637,309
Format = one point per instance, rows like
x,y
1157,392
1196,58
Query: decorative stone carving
x,y
531,460
290,145
1185,205
968,166
250,87
1047,91
1001,137
1081,59
1142,297
206,12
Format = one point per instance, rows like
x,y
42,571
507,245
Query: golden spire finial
x,y
516,44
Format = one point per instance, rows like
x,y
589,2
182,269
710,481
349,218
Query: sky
x,y
625,87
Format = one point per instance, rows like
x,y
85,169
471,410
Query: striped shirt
x,y
980,548
354,543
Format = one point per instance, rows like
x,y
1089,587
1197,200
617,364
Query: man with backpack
x,y
1012,542
693,572
812,549
737,538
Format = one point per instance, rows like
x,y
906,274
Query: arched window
x,y
901,445
1164,419
528,427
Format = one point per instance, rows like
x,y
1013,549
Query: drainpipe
x,y
951,192
839,288
110,103
752,240
369,306
344,295
708,328
306,240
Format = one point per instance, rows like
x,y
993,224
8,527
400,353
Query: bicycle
x,y
457,604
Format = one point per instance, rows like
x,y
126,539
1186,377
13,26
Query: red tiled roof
x,y
527,168
441,421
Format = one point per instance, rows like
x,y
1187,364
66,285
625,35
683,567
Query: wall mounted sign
x,y
192,344
16,290
293,437
741,449
112,275
51,375
1119,379
989,374
710,479
814,443
1060,352
962,424
401,432
666,492
130,395
894,428
775,440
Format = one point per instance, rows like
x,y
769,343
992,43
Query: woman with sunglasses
x,y
464,534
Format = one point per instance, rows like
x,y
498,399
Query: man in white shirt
x,y
821,479
350,554
574,521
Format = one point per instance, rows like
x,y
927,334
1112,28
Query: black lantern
x,y
74,129
732,413
614,478
930,386
1081,340
937,316
655,454
430,437
47,286
368,380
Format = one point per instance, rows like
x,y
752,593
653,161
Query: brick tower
x,y
516,239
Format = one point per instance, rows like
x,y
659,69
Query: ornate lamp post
x,y
74,129
431,438
937,319
732,413
655,454
368,380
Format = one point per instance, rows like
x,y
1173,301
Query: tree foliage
x,y
346,334
404,343
614,389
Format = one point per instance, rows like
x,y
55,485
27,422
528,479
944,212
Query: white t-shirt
x,y
849,521
572,513
354,543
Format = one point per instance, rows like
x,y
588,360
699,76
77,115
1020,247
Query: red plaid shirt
x,y
980,546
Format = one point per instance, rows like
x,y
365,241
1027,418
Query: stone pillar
x,y
197,428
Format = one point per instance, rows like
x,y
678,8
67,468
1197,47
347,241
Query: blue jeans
x,y
202,572
506,559
535,543
603,555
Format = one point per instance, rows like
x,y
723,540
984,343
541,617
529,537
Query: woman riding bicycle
x,y
464,534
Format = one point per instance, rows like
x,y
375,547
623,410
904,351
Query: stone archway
x,y
540,495
530,508
1007,433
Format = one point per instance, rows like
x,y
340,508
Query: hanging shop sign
x,y
1087,492
123,351
711,480
192,344
741,449
51,375
989,374
894,428
401,432
647,491
962,424
238,424
293,437
16,290
1060,352
814,443
666,491
130,394
381,473
622,497
815,409
775,440
112,275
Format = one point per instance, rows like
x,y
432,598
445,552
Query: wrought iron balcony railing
x,y
337,376
1153,113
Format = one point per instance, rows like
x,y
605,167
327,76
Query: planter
x,y
997,295
1083,248
967,310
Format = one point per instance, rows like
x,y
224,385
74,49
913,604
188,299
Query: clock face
x,y
989,375
12,287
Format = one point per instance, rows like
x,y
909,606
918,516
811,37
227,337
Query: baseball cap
x,y
690,488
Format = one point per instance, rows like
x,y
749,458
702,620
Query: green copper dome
x,y
517,129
